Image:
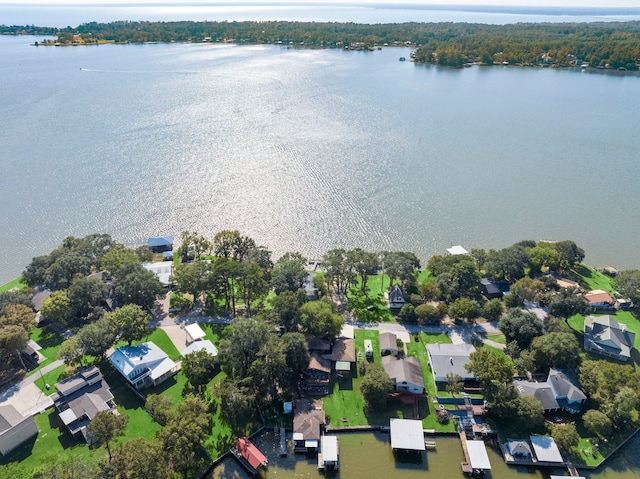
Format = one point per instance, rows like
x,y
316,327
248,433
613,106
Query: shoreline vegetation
x,y
598,45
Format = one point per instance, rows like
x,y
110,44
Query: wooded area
x,y
601,44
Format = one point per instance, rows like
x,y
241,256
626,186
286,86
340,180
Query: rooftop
x,y
546,449
407,434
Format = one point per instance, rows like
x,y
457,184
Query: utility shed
x,y
194,332
546,449
478,457
406,435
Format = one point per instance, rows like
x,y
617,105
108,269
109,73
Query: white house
x,y
162,269
144,365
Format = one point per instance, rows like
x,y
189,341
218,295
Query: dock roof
x,y
478,457
546,449
406,434
329,448
250,453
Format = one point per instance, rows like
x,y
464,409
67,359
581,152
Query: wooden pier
x,y
283,442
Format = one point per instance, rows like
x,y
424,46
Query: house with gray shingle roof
x,y
450,358
406,373
605,336
80,397
15,428
560,391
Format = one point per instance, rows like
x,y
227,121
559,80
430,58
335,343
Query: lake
x,y
306,150
369,455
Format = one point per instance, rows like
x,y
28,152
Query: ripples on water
x,y
311,149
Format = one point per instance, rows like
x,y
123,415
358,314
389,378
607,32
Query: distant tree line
x,y
600,44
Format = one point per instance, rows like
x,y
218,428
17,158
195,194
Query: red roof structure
x,y
250,453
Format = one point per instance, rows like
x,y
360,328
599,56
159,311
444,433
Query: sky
x,y
516,3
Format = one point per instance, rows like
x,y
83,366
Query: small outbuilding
x,y
205,345
519,448
388,344
194,332
15,428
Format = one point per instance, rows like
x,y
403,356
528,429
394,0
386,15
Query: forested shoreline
x,y
614,45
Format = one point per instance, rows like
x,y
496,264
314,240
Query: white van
x,y
368,348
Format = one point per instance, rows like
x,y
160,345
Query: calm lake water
x,y
366,456
306,150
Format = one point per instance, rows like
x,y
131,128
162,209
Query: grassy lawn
x,y
49,341
497,338
16,283
591,279
419,350
374,337
50,378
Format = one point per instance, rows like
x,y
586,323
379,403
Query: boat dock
x,y
283,442
476,457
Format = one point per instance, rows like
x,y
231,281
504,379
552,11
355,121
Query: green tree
x,y
597,423
199,367
317,319
401,265
520,326
428,313
13,339
117,258
566,437
508,263
556,350
70,350
407,313
57,308
237,405
569,253
240,343
86,294
105,427
527,289
363,263
628,284
337,273
296,352
493,309
429,291
376,386
136,285
192,246
159,407
543,254
623,407
138,459
287,306
494,372
95,338
130,322
18,315
529,411
187,427
288,272
454,383
567,303
464,308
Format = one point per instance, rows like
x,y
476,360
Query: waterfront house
x,y
343,356
605,336
15,428
566,390
80,397
317,375
162,269
144,365
406,373
490,289
308,424
395,297
599,300
388,344
160,244
450,358
560,391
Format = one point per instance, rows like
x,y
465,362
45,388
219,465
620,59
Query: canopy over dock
x,y
406,435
